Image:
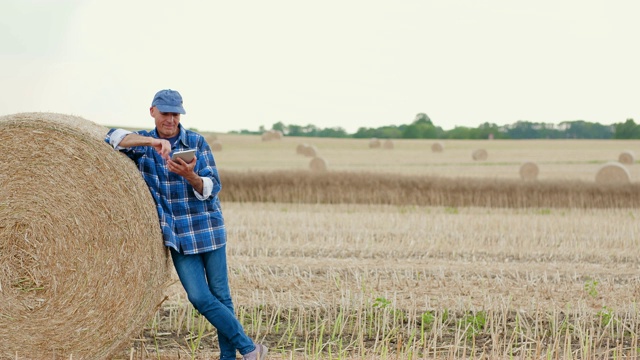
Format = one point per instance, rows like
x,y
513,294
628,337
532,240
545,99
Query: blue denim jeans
x,y
205,279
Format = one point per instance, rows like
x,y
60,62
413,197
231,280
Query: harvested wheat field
x,y
416,254
387,282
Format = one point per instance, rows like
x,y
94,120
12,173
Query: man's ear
x,y
151,111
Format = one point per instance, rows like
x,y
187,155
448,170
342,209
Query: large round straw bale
x,y
374,143
216,145
613,173
318,164
529,171
627,158
437,147
479,155
82,264
387,144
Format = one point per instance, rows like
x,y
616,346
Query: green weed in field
x,y
606,315
472,324
591,287
451,210
428,318
381,303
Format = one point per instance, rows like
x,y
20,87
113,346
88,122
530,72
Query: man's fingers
x,y
164,153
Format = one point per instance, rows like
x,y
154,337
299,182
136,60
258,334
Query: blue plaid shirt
x,y
188,224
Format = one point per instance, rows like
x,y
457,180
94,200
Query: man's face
x,y
166,123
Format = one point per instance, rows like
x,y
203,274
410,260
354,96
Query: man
x,y
186,197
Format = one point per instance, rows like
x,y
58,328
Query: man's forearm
x,y
133,139
196,182
162,146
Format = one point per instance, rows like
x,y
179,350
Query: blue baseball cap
x,y
168,101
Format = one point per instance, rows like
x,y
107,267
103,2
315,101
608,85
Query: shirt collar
x,y
182,138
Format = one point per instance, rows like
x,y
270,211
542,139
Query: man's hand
x,y
162,146
185,170
181,167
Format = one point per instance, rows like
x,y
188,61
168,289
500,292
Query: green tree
x,y
522,130
295,130
458,132
484,131
364,133
627,130
279,126
421,128
388,132
581,129
310,130
384,132
336,132
422,118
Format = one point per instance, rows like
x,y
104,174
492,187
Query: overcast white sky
x,y
242,64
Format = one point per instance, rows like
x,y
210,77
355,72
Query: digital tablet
x,y
186,155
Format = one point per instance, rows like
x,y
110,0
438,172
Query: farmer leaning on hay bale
x,y
186,196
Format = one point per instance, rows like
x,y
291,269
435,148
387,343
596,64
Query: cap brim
x,y
171,109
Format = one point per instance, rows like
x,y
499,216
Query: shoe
x,y
260,353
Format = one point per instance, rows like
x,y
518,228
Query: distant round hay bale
x,y
387,144
271,135
210,137
82,264
437,147
613,173
627,158
318,164
374,143
311,151
306,150
216,145
480,155
529,171
301,149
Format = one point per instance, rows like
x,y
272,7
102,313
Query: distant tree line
x,y
423,128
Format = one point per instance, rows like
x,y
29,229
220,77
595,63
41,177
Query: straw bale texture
x,y
437,147
318,164
82,265
216,145
627,158
479,155
374,143
529,171
387,144
613,173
